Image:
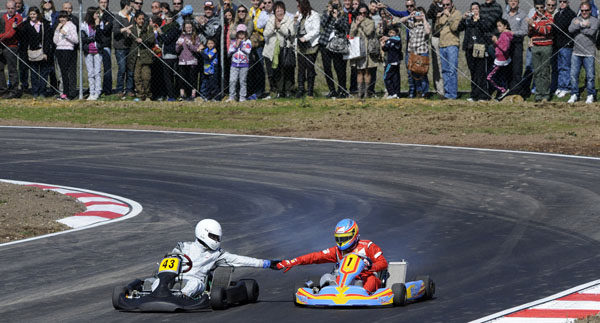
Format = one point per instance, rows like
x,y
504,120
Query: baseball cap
x,y
209,4
241,27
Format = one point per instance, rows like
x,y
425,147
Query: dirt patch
x,y
27,211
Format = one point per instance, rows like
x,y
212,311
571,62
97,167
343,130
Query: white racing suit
x,y
205,260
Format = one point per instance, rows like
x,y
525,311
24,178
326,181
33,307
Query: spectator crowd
x,y
265,50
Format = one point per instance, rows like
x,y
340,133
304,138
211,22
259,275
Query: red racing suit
x,y
364,248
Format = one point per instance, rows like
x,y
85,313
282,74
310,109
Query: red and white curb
x,y
568,306
101,208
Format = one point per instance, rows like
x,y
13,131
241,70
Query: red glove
x,y
287,264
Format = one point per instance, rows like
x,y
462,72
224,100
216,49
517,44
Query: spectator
x,y
334,22
239,50
140,57
227,5
584,28
90,31
263,18
164,9
48,11
228,18
405,16
104,40
474,47
210,57
307,45
157,68
36,34
188,46
540,32
516,18
22,9
417,44
279,33
563,47
435,8
352,16
65,38
490,11
364,28
68,7
209,25
136,7
8,56
392,46
447,26
502,61
177,6
168,36
256,78
374,12
121,29
155,9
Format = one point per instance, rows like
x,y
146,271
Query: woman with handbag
x,y
92,51
35,33
278,34
364,28
307,24
65,38
334,44
474,47
418,51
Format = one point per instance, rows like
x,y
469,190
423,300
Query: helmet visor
x,y
340,239
214,237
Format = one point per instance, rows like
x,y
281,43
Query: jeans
x,y
421,82
449,57
124,76
590,74
339,64
563,66
107,76
542,71
237,74
39,75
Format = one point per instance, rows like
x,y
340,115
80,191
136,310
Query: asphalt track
x,y
494,229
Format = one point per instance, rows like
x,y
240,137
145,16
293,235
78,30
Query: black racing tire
x,y
429,286
218,299
252,289
116,295
399,290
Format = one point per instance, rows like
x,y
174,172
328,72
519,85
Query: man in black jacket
x,y
563,47
490,12
105,41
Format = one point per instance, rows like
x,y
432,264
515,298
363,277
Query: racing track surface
x,y
494,229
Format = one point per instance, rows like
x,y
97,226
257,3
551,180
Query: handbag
x,y
479,50
418,64
36,55
338,45
287,57
374,48
356,49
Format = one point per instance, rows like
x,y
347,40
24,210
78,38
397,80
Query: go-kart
x,y
220,292
347,289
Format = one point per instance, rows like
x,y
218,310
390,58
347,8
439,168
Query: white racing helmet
x,y
208,231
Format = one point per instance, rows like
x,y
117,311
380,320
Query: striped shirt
x,y
540,31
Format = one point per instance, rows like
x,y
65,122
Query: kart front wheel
x,y
251,289
116,295
429,286
399,290
218,298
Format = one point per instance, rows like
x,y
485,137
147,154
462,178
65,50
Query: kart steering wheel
x,y
188,262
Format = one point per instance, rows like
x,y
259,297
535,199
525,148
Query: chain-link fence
x,y
231,50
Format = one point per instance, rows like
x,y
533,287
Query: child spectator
x,y
210,80
501,69
392,45
239,50
140,56
187,46
91,50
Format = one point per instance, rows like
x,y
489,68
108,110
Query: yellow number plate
x,y
351,264
169,264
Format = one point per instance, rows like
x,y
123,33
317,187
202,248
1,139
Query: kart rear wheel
x,y
218,299
429,286
399,290
116,295
252,289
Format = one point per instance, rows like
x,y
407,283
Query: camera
x,y
334,6
418,13
471,14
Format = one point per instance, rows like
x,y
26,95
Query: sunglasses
x,y
447,5
177,3
242,11
539,7
551,5
563,1
410,6
362,12
585,10
140,3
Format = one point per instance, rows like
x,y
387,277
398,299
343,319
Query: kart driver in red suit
x,y
347,241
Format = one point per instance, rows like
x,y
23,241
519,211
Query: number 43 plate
x,y
169,265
